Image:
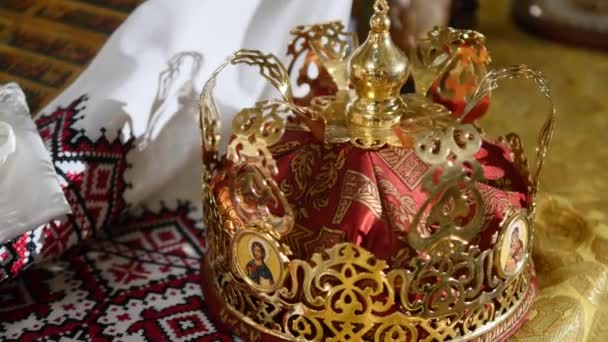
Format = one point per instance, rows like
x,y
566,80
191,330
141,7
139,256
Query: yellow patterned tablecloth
x,y
571,245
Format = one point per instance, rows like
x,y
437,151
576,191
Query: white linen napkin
x,y
146,80
30,194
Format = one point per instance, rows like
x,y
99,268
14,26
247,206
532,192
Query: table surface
x,y
571,249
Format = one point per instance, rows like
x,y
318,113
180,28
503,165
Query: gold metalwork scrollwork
x,y
254,192
381,7
268,66
448,284
438,53
346,293
210,130
489,84
450,290
326,46
455,203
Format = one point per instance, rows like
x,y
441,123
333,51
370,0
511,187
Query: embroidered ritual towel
x,y
124,135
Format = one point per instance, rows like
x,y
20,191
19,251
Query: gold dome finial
x,y
378,70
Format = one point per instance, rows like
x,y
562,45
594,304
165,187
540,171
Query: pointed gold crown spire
x,y
378,70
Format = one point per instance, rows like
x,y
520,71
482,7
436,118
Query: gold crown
x,y
461,269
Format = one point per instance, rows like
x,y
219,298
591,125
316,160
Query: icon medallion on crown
x,y
356,212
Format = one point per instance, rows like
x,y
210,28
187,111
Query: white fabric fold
x,y
139,84
30,194
7,141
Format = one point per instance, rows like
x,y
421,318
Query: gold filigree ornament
x,y
451,288
512,140
442,52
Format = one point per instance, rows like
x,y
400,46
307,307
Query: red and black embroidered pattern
x,y
95,190
140,286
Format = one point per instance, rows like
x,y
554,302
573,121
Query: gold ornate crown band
x,y
359,213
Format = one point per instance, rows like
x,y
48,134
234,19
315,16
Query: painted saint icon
x,y
516,251
257,270
512,245
258,261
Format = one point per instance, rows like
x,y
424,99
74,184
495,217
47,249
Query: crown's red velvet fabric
x,y
340,193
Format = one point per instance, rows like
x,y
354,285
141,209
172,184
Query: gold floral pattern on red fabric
x,y
497,202
359,188
307,241
405,164
371,196
313,170
399,208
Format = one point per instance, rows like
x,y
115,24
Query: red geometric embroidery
x,y
126,273
83,296
95,194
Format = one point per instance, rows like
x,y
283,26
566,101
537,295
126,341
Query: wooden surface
x,y
45,44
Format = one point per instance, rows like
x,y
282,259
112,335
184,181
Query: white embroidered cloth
x,y
146,80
